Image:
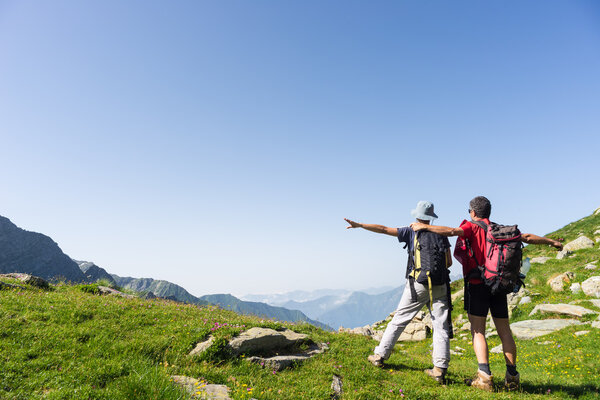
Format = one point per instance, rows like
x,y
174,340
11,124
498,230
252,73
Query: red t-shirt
x,y
476,237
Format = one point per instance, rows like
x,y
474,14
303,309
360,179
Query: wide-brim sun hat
x,y
424,211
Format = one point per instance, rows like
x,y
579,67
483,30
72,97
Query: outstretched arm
x,y
530,238
442,230
373,228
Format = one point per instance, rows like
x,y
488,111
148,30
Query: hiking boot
x,y
512,382
376,360
483,381
438,374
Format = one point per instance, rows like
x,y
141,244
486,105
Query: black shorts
x,y
479,300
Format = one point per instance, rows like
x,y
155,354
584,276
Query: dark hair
x,y
481,206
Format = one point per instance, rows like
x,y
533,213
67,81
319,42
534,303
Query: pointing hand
x,y
352,224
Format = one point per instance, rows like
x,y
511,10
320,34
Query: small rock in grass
x,y
525,300
497,349
579,333
539,260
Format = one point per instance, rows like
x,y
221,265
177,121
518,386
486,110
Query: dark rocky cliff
x,y
35,254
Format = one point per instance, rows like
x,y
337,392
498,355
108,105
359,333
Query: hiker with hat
x,y
490,255
427,284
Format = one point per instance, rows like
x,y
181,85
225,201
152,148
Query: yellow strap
x,y
416,260
430,290
417,254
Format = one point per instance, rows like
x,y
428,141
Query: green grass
x,y
71,343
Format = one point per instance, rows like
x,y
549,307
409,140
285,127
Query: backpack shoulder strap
x,y
481,224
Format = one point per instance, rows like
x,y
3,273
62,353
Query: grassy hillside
x,y
69,343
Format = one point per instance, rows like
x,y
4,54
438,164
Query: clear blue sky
x,y
220,144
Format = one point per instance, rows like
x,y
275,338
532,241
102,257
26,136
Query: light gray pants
x,y
407,309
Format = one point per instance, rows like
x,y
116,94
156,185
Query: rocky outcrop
x,y
27,279
264,340
275,350
529,329
563,309
416,330
35,254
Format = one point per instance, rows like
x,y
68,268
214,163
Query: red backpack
x,y
503,253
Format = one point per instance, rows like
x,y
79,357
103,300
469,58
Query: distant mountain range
x,y
350,310
278,299
232,303
336,308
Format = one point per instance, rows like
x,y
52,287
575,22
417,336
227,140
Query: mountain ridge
x,y
36,254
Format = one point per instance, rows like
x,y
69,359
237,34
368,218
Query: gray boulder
x,y
525,300
591,286
269,348
27,279
563,309
263,340
563,254
557,282
582,242
281,362
529,329
337,386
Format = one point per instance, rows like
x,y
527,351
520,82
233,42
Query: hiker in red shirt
x,y
470,247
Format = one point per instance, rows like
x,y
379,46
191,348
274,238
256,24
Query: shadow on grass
x,y
574,391
401,367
